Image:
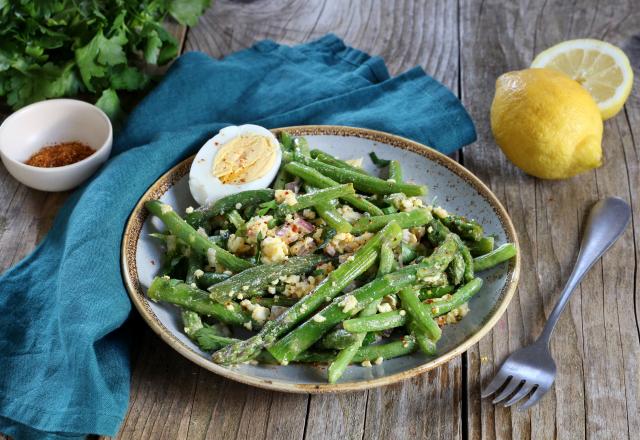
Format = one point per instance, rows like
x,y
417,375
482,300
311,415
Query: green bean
x,y
282,178
199,217
317,179
191,322
493,258
427,346
191,298
301,146
435,292
332,217
380,163
311,199
342,361
389,210
390,350
462,295
329,159
254,281
481,247
420,313
178,227
387,258
236,219
337,339
411,219
376,323
341,308
335,282
286,140
395,171
208,279
364,182
407,253
345,356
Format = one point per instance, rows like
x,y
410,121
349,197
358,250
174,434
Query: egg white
x,y
207,188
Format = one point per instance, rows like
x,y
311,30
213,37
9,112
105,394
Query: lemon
x,y
546,123
602,68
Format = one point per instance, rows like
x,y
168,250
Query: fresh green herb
x,y
65,47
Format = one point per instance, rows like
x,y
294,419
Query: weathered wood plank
x,y
597,339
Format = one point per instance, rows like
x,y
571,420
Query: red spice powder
x,y
58,155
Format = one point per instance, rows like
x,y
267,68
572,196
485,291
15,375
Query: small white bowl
x,y
47,123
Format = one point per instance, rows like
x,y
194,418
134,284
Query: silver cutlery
x,y
531,369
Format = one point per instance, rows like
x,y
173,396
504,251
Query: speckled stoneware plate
x,y
455,188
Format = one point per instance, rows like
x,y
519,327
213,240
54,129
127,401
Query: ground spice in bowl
x,y
58,155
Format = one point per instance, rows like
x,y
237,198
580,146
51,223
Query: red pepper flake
x,y
58,155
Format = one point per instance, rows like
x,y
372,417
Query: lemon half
x,y
602,68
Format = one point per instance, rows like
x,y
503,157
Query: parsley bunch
x,y
54,48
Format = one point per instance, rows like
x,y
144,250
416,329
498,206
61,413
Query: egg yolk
x,y
244,159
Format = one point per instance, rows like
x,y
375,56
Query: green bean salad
x,y
330,265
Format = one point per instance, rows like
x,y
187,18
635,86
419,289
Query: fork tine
x,y
509,389
526,389
499,379
537,395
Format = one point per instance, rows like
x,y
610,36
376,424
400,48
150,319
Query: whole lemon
x,y
546,123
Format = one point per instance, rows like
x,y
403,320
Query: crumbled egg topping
x,y
345,242
285,196
237,245
406,204
440,212
349,214
274,250
258,227
305,246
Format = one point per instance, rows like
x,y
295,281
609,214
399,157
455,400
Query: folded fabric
x,y
64,365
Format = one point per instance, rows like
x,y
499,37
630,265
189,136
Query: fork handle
x,y
607,221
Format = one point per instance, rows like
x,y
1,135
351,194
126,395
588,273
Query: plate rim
x,y
139,215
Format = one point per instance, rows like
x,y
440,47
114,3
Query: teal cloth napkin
x,y
64,361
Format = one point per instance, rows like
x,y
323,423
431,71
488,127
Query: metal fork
x,y
531,369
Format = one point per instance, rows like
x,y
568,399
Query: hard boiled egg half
x,y
238,158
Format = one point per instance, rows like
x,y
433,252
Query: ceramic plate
x,y
454,188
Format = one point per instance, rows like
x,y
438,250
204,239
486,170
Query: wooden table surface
x,y
465,45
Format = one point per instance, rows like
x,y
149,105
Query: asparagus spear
x,y
493,258
467,229
376,323
341,308
191,298
198,243
328,289
481,247
255,280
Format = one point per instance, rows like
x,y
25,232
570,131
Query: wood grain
x,y
596,341
466,45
